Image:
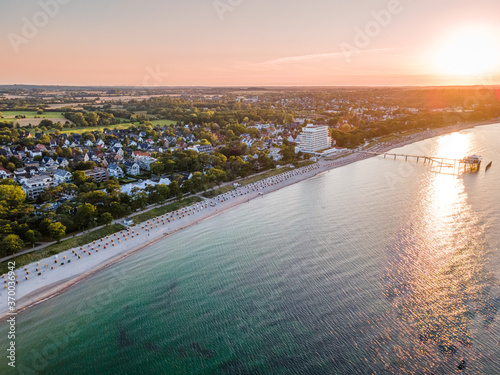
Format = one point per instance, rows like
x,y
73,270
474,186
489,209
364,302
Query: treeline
x,y
19,224
356,136
84,119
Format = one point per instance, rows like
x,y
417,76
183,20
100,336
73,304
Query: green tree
x,y
11,167
32,236
175,189
140,200
11,244
85,215
57,231
79,177
112,187
188,186
106,218
157,168
163,192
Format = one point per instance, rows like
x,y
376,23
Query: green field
x,y
31,114
163,122
155,212
94,128
57,248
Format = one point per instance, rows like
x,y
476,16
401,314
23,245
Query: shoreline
x,y
34,290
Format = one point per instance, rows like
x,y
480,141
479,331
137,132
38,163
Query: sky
x,y
250,42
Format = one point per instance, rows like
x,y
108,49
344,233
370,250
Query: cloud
x,y
317,57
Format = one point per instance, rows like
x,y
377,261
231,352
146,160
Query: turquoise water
x,y
379,267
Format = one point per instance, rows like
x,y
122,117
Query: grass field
x,y
164,209
32,114
57,248
94,128
163,122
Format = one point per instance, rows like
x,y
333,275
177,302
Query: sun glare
x,y
472,51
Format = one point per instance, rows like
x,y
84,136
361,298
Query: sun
x,y
471,51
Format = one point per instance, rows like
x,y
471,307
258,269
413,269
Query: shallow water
x,y
380,267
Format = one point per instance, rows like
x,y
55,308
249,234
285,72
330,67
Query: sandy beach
x,y
39,281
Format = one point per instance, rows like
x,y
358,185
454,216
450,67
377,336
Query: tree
x,y
163,192
32,236
57,231
11,196
85,215
11,244
112,187
217,175
106,218
175,189
288,153
79,177
140,200
157,168
11,167
119,209
188,186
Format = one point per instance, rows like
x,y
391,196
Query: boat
x,y
489,165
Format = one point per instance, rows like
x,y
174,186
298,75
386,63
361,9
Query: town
x,y
73,159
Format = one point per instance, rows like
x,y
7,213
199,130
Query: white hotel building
x,y
314,138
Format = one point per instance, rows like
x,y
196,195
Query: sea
x,y
380,267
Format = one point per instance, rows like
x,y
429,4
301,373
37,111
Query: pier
x,y
439,165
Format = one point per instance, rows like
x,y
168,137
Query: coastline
x,y
38,289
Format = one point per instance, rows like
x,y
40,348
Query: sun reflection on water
x,y
440,281
454,146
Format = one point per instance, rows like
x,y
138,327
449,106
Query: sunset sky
x,y
250,42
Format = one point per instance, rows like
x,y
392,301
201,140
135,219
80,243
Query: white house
x,y
115,171
145,162
133,168
33,187
5,173
62,176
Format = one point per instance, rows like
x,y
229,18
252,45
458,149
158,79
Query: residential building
x,y
97,174
5,173
145,162
115,171
132,168
62,176
33,187
205,148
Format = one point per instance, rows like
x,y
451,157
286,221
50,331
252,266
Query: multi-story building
x,y
97,174
33,187
314,138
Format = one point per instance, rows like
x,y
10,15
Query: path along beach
x,y
39,281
